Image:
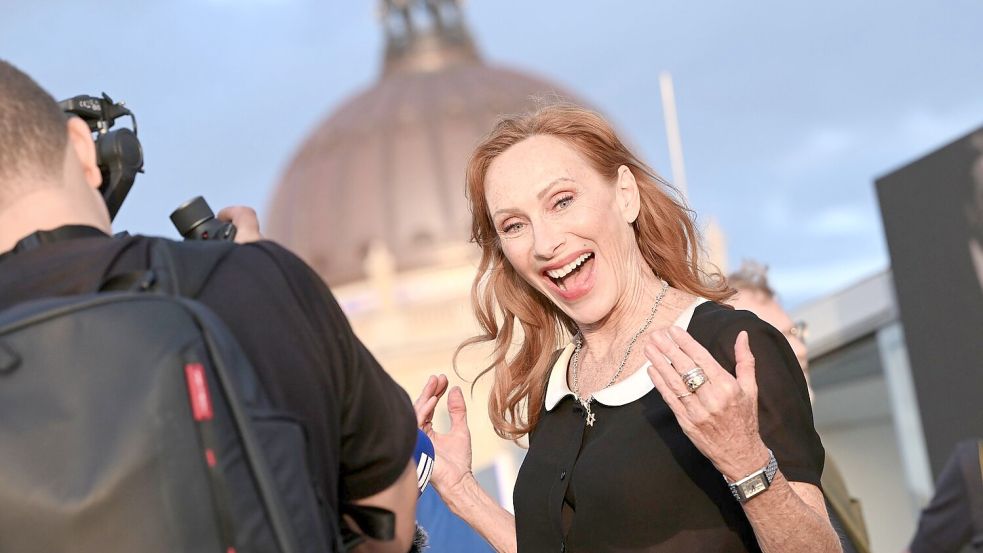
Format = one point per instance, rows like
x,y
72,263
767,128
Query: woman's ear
x,y
628,198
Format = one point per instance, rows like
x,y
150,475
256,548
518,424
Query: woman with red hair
x,y
649,428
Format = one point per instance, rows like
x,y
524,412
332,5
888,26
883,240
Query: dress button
x,y
563,474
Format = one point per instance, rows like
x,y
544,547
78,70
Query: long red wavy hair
x,y
664,229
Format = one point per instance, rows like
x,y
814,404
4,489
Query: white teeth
x,y
565,270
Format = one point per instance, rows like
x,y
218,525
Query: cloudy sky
x,y
788,110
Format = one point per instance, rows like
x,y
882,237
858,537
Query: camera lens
x,y
190,215
196,221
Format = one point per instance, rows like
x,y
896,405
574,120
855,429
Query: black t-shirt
x,y
359,422
634,481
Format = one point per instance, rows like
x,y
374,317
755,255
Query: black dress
x,y
634,481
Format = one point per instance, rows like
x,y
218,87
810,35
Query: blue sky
x,y
788,111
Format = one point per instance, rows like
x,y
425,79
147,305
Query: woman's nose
x,y
547,241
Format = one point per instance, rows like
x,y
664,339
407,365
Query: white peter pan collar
x,y
634,387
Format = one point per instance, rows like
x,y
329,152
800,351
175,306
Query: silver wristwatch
x,y
756,482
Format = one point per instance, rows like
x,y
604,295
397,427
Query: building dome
x,y
387,167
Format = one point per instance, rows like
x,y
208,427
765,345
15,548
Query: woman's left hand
x,y
721,416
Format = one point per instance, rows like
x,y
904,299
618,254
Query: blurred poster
x,y
933,220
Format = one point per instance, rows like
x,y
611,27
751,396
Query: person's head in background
x,y
754,294
49,176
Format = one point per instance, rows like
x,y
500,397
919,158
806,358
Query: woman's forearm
x,y
496,525
784,522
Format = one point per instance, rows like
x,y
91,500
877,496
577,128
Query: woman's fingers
x,y
698,354
667,381
424,414
745,369
457,410
681,364
721,384
427,390
427,401
441,385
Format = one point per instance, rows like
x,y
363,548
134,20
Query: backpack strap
x,y
182,268
175,269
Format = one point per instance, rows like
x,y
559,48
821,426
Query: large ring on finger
x,y
694,378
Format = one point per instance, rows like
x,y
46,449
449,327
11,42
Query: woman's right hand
x,y
453,448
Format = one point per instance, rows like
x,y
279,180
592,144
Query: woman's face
x,y
564,228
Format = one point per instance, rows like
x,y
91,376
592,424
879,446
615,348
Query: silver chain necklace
x,y
575,362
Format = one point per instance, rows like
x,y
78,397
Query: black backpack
x,y
132,421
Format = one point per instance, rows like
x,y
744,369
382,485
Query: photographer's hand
x,y
245,220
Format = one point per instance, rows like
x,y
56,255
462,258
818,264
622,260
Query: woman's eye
x,y
512,228
563,202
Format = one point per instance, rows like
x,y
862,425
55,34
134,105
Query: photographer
x,y
359,424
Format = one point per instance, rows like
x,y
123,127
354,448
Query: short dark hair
x,y
32,130
752,276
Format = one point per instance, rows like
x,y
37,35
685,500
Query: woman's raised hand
x,y
720,417
453,448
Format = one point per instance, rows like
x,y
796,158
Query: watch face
x,y
754,485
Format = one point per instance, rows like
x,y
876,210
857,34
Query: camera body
x,y
118,152
120,157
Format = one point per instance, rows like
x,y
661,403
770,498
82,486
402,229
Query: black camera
x,y
118,152
196,221
120,158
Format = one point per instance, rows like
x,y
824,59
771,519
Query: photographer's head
x,y
48,171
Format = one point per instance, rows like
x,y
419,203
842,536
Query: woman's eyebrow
x,y
549,187
539,196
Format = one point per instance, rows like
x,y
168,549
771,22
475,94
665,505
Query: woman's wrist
x,y
469,501
755,459
463,494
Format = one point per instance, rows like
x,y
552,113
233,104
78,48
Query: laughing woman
x,y
650,429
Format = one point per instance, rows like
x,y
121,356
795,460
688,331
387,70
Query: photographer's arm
x,y
400,498
245,220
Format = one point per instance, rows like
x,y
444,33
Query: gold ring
x,y
681,396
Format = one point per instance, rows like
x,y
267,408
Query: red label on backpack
x,y
201,402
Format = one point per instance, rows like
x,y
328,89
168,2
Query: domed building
x,y
374,201
387,167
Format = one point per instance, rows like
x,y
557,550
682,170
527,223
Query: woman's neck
x,y
605,339
606,342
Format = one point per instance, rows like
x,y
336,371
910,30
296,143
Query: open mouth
x,y
570,275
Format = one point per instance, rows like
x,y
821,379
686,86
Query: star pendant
x,y
590,419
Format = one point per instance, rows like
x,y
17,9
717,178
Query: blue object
x,y
424,456
448,533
